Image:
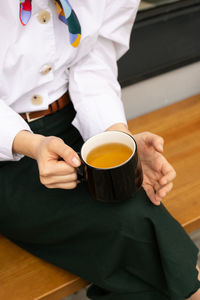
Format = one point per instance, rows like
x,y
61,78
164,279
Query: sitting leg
x,y
130,249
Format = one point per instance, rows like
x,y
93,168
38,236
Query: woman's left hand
x,y
158,174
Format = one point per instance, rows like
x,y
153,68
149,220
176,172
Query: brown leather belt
x,y
53,107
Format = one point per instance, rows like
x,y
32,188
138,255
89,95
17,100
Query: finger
x,y
155,140
55,168
65,152
151,194
156,187
59,179
64,186
164,190
158,198
168,172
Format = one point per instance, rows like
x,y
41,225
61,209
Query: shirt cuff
x,y
6,152
98,114
11,123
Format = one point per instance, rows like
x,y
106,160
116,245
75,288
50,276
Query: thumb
x,y
65,152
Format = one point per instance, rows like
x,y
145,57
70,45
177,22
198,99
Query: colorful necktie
x,y
66,15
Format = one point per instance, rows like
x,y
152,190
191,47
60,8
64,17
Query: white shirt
x,y
38,59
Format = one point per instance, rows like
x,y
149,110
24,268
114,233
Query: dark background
x,y
163,38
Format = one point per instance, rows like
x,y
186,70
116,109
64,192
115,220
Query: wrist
x,y
27,143
119,127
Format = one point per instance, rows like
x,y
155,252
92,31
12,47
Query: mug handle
x,y
81,174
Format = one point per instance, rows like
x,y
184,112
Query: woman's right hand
x,y
56,161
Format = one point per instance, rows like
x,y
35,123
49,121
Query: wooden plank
x,y
26,277
179,125
64,290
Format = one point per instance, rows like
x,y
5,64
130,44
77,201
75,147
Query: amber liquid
x,y
109,155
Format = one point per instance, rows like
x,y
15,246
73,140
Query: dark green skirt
x,y
133,250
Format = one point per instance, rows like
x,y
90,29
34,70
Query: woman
x,y
131,250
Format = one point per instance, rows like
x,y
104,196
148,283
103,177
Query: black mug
x,y
114,184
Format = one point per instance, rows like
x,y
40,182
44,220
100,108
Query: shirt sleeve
x,y
93,84
10,124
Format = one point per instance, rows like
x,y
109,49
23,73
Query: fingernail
x,y
160,147
75,161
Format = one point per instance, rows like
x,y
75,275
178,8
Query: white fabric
x,y
89,71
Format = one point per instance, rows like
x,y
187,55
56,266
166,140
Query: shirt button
x,y
37,100
45,69
44,16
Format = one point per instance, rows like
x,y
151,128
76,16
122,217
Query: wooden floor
x,y
25,277
179,125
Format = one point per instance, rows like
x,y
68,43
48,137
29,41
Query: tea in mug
x,y
109,155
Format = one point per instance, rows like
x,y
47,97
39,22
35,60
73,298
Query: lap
x,y
34,213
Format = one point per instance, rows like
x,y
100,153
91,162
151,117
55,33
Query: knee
x,y
131,217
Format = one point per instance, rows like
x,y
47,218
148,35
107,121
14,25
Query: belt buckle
x,y
29,119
